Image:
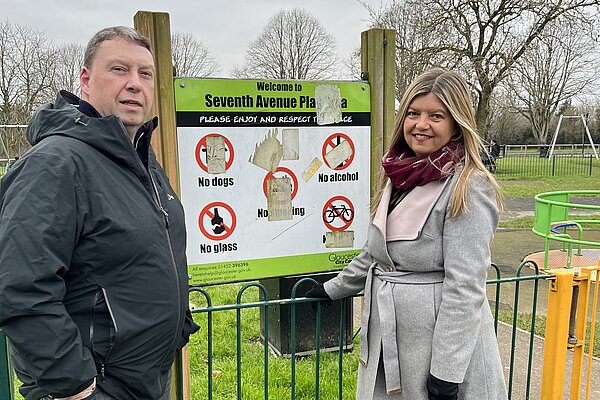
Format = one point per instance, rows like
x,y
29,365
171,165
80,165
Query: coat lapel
x,y
406,221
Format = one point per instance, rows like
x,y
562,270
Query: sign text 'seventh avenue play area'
x,y
274,176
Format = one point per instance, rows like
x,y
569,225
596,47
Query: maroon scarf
x,y
406,170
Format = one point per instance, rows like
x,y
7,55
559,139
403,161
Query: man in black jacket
x,y
93,273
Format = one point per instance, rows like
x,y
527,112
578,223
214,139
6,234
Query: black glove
x,y
438,389
318,292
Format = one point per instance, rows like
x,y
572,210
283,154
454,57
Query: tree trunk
x,y
482,112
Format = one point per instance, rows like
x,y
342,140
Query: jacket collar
x,y
406,221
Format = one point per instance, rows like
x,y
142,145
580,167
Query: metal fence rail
x,y
222,371
316,391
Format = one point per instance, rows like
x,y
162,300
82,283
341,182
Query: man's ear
x,y
84,81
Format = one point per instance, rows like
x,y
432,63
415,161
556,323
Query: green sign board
x,y
274,176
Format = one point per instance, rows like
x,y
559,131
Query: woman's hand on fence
x,y
316,292
438,389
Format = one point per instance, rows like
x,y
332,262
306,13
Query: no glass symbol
x,y
220,219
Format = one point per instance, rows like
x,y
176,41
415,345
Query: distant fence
x,y
542,149
533,165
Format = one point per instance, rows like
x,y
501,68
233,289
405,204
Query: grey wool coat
x,y
426,308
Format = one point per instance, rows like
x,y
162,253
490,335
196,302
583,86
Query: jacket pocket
x,y
103,329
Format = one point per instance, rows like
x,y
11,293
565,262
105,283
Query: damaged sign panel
x,y
274,176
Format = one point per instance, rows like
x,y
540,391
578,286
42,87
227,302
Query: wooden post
x,y
156,27
378,66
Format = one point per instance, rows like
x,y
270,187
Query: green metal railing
x,y
290,382
293,301
517,280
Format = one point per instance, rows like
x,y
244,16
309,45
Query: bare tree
x,y
412,40
68,59
557,66
293,45
190,57
486,38
351,64
27,70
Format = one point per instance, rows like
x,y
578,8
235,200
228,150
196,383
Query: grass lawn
x,y
521,183
253,354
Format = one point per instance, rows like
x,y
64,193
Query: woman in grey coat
x,y
427,330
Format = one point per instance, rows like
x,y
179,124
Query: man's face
x,y
120,81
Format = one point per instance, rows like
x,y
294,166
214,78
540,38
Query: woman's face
x,y
428,125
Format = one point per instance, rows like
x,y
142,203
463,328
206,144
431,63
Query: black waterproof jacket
x,y
93,274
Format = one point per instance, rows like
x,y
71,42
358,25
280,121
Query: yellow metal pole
x,y
583,280
594,275
557,332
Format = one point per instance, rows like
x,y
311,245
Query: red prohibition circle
x,y
202,144
329,142
334,211
207,212
285,170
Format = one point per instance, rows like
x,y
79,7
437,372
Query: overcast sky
x,y
226,27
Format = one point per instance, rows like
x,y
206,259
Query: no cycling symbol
x,y
201,148
338,216
332,142
220,218
285,171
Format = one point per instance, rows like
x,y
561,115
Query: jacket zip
x,y
173,262
114,322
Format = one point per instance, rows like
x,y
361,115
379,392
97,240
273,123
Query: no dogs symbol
x,y
201,152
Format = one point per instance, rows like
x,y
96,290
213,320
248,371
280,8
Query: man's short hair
x,y
112,32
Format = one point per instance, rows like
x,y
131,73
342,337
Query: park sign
x,y
274,176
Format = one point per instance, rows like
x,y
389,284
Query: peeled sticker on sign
x,y
268,153
279,199
312,168
291,147
328,104
215,154
339,239
339,154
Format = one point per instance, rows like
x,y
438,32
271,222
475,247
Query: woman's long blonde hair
x,y
452,90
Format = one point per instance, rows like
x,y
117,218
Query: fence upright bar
x,y
341,348
536,285
580,330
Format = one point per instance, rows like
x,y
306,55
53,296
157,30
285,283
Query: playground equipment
x,y
583,119
556,216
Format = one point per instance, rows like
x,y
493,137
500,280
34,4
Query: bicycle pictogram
x,y
342,212
338,213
